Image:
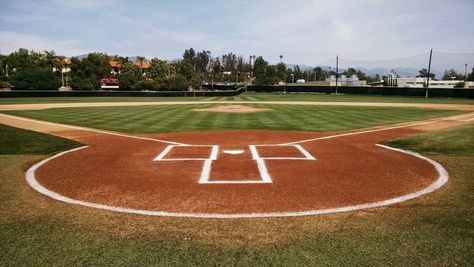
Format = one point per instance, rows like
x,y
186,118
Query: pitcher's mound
x,y
233,109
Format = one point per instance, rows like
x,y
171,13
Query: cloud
x,y
12,41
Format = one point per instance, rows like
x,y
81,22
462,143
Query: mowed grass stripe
x,y
151,119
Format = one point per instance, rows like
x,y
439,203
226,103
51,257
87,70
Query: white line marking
x,y
440,181
379,129
162,154
233,152
92,130
303,151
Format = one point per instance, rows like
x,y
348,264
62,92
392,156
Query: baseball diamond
x,y
238,173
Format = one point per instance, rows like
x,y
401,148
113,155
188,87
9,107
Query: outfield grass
x,y
170,118
250,96
434,230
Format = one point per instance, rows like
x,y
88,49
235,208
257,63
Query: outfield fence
x,y
38,93
401,91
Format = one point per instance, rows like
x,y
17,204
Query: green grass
x,y
457,141
434,230
250,96
154,119
14,142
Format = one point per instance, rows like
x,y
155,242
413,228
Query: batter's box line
x,y
307,155
265,177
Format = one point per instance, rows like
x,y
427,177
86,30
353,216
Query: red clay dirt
x,y
120,171
349,170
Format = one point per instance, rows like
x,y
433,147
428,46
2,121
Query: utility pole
x,y
429,69
337,70
465,75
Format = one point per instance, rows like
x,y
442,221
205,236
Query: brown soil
x,y
233,109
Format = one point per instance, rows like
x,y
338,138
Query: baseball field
x,y
255,179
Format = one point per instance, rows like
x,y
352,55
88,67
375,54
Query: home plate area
x,y
217,163
232,174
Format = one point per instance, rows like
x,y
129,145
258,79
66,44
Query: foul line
x,y
440,181
456,117
91,130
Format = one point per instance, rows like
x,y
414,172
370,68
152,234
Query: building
x,y
343,80
117,65
419,82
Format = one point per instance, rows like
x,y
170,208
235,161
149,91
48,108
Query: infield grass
x,y
172,118
433,230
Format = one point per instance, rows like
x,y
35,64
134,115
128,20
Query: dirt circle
x,y
228,174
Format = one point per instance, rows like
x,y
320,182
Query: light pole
x,y
292,78
281,58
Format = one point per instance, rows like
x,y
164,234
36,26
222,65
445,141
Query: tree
x,y
93,68
452,74
203,60
424,73
189,55
229,62
185,68
35,78
281,71
319,74
51,60
470,77
159,69
129,76
22,59
350,71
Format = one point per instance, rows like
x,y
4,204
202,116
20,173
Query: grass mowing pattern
x,y
15,141
435,230
170,118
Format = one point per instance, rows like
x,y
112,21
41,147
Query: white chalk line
x,y
91,130
440,181
456,117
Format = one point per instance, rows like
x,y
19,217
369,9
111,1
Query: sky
x,y
304,32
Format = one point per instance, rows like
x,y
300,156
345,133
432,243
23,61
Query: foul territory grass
x,y
433,230
154,119
13,141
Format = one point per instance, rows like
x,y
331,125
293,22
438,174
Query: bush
x,y
35,79
147,85
176,83
4,84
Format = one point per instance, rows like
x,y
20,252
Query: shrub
x,y
4,84
147,85
35,79
176,83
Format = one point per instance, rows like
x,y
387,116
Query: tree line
x,y
24,69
